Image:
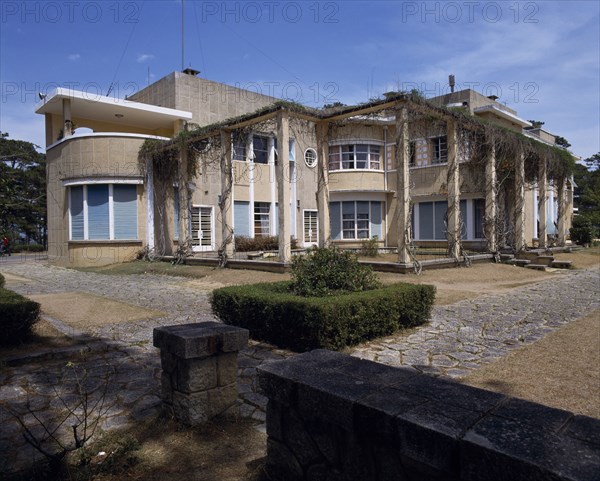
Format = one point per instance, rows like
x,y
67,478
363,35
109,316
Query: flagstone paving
x,y
460,337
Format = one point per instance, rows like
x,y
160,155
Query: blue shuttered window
x,y
77,213
376,228
104,212
125,211
335,220
241,215
98,221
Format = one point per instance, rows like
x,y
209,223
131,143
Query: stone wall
x,y
335,417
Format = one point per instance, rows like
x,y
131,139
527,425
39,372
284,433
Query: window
x,y
103,212
261,219
239,149
432,219
310,157
355,156
311,230
260,148
479,215
439,150
355,219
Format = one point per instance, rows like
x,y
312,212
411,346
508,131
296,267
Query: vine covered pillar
x,y
562,211
454,227
283,187
67,123
519,202
491,201
542,203
184,198
324,227
226,202
150,205
402,143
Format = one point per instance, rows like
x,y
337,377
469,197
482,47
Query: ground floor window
x,y
311,230
351,220
261,219
430,219
103,212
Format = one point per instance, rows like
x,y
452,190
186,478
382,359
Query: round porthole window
x,y
310,157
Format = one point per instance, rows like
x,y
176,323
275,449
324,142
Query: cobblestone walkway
x,y
459,338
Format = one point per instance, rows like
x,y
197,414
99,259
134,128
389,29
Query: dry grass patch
x,y
561,370
582,259
81,310
45,336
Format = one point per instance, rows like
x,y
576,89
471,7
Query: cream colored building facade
x,y
104,204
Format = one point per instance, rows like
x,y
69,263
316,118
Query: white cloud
x,y
144,56
74,57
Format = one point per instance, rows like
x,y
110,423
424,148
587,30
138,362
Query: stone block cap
x,y
202,339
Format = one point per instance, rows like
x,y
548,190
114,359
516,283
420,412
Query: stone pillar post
x,y
199,369
491,189
402,143
150,206
323,184
283,187
184,197
226,202
453,180
562,211
519,202
542,184
67,123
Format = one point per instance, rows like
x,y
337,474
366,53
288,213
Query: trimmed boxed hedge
x,y
17,316
274,314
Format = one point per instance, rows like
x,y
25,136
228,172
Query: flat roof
x,y
92,106
504,114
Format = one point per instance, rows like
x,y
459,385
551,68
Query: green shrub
x,y
274,314
268,243
582,231
27,248
370,247
17,317
2,280
328,271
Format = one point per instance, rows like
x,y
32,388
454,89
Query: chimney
x,y
191,71
451,82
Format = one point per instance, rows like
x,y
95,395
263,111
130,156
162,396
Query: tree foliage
x,y
22,189
587,193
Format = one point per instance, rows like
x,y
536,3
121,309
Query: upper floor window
x,y
439,150
103,212
354,156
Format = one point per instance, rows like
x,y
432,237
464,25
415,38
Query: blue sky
x,y
541,58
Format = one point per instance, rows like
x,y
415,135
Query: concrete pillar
x,y
199,369
542,185
67,123
562,211
453,180
150,205
519,202
402,143
184,198
283,187
323,184
226,202
491,189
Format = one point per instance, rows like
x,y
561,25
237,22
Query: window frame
x,y
111,212
439,150
353,156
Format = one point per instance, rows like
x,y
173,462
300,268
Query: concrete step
x,y
506,257
537,267
520,262
545,260
562,264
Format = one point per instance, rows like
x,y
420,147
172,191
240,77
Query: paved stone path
x,y
459,338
